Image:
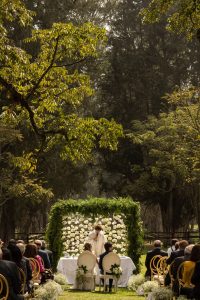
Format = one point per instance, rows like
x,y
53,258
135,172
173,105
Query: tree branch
x,y
18,98
45,72
70,64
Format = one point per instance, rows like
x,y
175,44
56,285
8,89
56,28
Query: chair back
x,y
162,266
4,288
184,273
88,260
109,260
154,265
171,273
22,280
35,267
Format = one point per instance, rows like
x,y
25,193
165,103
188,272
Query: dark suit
x,y
50,255
10,271
102,270
174,269
174,255
150,255
196,281
45,258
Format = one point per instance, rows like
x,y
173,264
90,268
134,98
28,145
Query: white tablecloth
x,y
68,265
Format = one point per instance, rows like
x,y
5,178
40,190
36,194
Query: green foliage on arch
x,y
126,207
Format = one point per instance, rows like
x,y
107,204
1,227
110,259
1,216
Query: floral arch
x,y
71,220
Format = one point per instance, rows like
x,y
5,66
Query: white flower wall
x,y
76,228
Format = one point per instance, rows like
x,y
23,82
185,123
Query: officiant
x,y
97,239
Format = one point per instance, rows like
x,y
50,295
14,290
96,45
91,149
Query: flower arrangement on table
x,y
116,270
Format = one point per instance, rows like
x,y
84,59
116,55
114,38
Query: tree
x,y
43,93
183,16
47,89
170,172
19,187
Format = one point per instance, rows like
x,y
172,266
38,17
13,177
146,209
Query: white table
x,y
68,265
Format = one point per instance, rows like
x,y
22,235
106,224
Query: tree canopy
x,y
183,16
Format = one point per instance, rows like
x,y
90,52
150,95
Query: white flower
x,y
135,281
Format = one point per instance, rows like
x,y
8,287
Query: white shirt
x,y
170,250
97,242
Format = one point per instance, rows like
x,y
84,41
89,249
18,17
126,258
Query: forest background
x,y
99,98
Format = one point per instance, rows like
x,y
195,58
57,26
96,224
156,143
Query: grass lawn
x,y
122,294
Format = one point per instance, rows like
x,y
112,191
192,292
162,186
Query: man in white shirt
x,y
172,248
97,239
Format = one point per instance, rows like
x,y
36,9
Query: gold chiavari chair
x,y
4,288
23,280
153,265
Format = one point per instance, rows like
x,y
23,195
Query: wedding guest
x,y
49,252
97,239
26,267
182,245
109,248
172,248
43,254
175,265
9,270
196,275
150,254
16,255
31,251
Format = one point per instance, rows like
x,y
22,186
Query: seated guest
x,y
26,267
6,251
172,248
108,247
49,252
16,255
175,265
150,254
182,245
31,251
43,254
88,283
20,242
9,270
6,254
195,278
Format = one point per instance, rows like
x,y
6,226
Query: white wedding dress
x,y
98,244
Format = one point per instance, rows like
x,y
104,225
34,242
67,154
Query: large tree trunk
x,y
167,213
7,220
196,201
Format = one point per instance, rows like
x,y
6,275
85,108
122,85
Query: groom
x,y
97,239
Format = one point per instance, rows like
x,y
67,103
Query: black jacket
x,y
101,260
196,281
150,255
174,255
10,271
